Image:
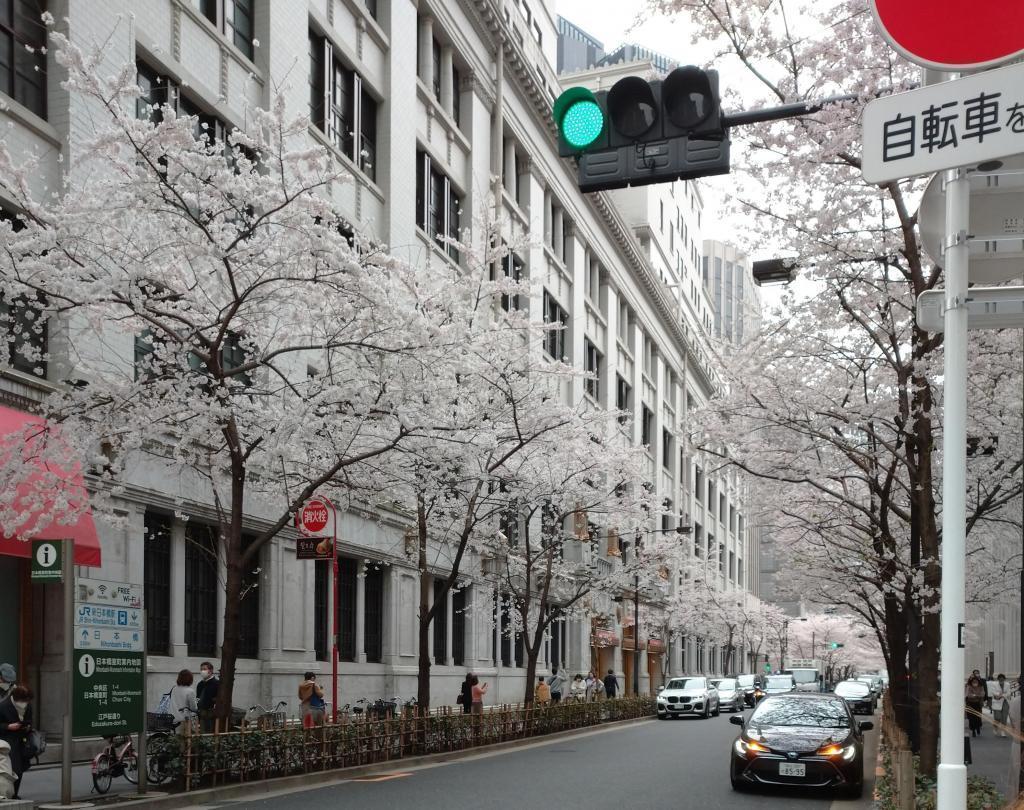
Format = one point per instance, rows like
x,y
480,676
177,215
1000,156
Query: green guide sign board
x,y
47,559
107,696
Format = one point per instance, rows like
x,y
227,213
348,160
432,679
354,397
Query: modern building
x,y
466,112
736,297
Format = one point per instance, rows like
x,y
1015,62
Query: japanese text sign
x,y
957,123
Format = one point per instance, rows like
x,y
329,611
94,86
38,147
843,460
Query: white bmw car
x,y
689,695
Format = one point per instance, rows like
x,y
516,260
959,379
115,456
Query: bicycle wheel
x,y
158,758
131,767
101,772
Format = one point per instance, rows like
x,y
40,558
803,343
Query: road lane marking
x,y
383,777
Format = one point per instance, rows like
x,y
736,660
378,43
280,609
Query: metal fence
x,y
204,760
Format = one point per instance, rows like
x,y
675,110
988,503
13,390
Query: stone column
x,y
447,89
177,574
450,613
425,68
361,612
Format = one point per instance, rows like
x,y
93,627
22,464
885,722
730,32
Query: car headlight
x,y
849,752
746,747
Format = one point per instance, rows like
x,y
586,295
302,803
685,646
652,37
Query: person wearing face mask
x,y
8,679
15,724
206,696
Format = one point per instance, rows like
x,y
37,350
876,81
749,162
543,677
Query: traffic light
x,y
834,645
642,132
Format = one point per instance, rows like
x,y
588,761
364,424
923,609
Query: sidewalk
x,y
42,784
990,757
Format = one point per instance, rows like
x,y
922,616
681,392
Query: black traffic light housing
x,y
653,131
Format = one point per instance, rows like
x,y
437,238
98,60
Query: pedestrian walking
x,y
15,725
183,703
999,697
206,696
465,698
578,690
599,693
311,701
541,692
974,696
1014,701
611,684
478,692
976,674
557,684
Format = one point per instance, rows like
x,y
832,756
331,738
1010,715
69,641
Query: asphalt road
x,y
656,765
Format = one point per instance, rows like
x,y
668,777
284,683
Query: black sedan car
x,y
858,696
799,740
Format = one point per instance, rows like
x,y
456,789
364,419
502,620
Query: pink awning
x,y
50,499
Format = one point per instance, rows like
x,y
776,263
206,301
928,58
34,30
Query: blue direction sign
x,y
106,616
108,639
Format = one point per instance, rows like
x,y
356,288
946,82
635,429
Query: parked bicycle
x,y
263,718
118,758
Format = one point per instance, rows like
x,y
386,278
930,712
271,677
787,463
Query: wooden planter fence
x,y
203,760
901,759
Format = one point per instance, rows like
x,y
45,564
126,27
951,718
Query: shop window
x,y
459,627
321,609
157,582
201,585
249,609
22,53
440,623
347,573
373,613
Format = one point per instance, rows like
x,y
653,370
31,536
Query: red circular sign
x,y
953,34
314,516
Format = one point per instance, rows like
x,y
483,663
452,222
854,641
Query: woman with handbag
x,y
15,727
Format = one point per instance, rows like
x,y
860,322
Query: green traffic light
x,y
579,118
582,124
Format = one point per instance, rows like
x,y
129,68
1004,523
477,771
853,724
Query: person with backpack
x,y
311,697
16,729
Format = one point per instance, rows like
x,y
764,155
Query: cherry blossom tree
x,y
837,404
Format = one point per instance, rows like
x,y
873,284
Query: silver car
x,y
688,695
730,695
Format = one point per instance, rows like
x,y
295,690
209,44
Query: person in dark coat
x,y
15,724
611,684
467,694
206,696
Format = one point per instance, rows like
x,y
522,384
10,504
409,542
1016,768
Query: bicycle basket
x,y
158,721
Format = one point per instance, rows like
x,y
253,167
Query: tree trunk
x,y
233,583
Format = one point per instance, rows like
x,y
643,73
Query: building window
x,y
646,426
157,582
27,335
346,584
557,320
22,53
435,56
334,91
721,557
698,541
458,628
249,609
666,449
592,363
505,628
739,572
512,267
373,613
438,205
440,623
456,96
732,565
154,91
233,18
321,610
201,588
623,399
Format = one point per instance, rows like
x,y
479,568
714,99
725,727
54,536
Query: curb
x,y
266,787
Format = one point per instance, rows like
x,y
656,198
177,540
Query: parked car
x,y
730,695
749,684
799,740
858,696
874,682
688,695
779,685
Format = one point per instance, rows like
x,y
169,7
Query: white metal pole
x,y
952,773
68,571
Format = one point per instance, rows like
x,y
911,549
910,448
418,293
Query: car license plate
x,y
792,769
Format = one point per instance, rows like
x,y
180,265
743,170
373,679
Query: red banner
x,y
604,638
